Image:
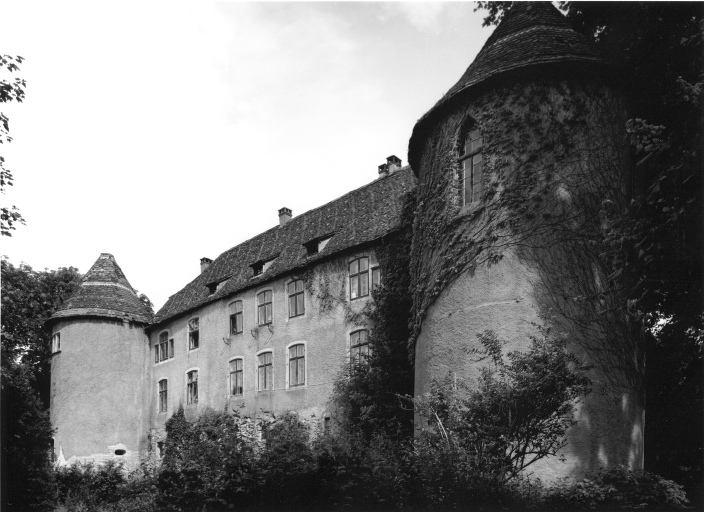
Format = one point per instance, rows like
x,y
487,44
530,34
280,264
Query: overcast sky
x,y
165,132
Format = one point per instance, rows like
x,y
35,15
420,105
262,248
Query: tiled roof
x,y
530,34
361,216
105,291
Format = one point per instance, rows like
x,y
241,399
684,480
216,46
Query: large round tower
x,y
98,369
518,164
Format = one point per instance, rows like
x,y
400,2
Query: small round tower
x,y
98,369
517,166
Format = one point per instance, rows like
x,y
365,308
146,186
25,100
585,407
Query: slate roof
x,y
530,34
361,216
105,292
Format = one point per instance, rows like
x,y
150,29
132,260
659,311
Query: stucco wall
x,y
324,329
477,269
97,383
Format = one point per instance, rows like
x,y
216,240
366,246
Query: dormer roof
x,y
531,35
105,292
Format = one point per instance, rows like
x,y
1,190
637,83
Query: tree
x,y
29,298
653,245
10,90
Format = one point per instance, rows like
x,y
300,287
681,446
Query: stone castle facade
x,y
510,170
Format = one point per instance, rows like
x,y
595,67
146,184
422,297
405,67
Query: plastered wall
x,y
323,330
571,138
97,383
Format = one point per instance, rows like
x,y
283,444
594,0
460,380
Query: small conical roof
x,y
104,291
531,34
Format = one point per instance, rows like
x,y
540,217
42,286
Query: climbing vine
x,y
554,157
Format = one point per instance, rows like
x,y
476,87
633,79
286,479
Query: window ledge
x,y
55,353
293,388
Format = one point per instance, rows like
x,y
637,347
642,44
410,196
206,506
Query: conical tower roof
x,y
104,291
532,35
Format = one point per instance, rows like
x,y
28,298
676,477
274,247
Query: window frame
x,y
189,396
469,156
191,344
258,365
163,396
358,360
229,376
235,314
358,274
56,342
163,348
375,270
295,295
264,304
304,344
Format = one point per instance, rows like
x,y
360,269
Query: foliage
x,y
618,488
372,397
107,487
26,442
518,412
10,90
28,299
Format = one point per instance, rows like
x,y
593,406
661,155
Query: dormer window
x,y
472,165
261,266
217,285
316,245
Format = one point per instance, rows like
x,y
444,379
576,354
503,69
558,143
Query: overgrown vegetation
x,y
471,453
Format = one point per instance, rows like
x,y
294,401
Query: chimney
x,y
383,170
284,216
393,163
204,263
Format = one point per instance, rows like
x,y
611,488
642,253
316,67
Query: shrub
x,y
618,488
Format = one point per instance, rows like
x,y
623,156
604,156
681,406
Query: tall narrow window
x,y
359,278
236,377
376,277
56,342
359,347
163,346
156,353
163,395
296,305
264,307
265,373
193,333
171,348
192,387
236,325
297,365
472,168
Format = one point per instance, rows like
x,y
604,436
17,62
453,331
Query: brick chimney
x,y
284,216
204,263
383,170
393,163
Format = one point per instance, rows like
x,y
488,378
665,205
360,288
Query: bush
x,y
618,488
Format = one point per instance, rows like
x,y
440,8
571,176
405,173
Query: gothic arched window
x,y
472,164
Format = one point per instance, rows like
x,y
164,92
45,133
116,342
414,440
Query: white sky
x,y
164,132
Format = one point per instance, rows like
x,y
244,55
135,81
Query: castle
x,y
510,170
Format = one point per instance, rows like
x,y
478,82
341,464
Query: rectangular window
x,y
236,324
296,306
156,353
163,346
297,365
163,395
472,166
359,347
264,310
265,374
359,278
171,348
376,277
56,342
236,377
193,331
192,387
